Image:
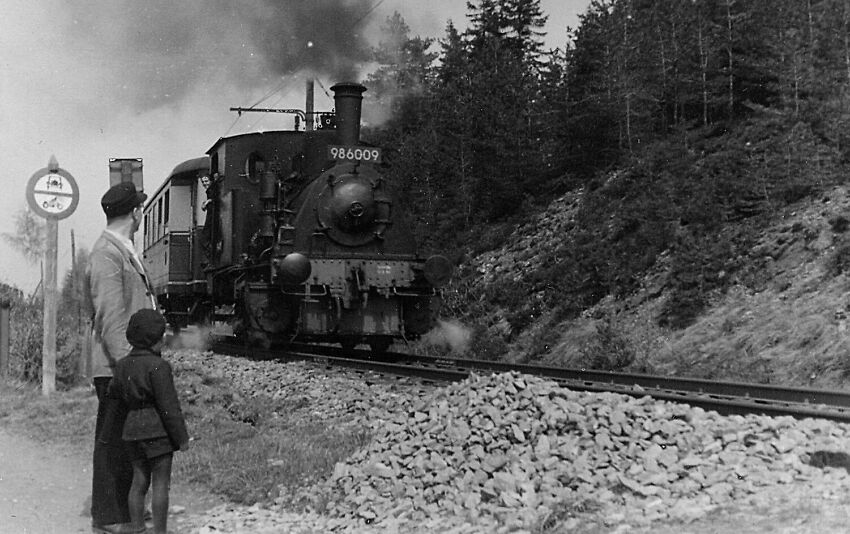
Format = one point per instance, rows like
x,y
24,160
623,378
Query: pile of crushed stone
x,y
514,453
516,450
302,389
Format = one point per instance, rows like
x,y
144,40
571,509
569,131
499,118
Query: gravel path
x,y
45,489
42,490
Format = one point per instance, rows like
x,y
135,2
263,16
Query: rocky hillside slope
x,y
784,323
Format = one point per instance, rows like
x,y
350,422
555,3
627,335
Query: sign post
x,y
53,194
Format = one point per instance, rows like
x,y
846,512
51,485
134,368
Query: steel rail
x,y
646,381
726,398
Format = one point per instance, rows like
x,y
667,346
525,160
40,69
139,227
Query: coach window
x,y
159,217
255,165
147,231
167,208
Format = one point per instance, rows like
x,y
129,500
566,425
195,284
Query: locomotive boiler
x,y
292,236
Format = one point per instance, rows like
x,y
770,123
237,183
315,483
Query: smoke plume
x,y
156,52
192,338
449,334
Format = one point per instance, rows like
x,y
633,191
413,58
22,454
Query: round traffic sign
x,y
53,193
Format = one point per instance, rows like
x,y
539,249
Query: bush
x,y
542,342
838,261
27,339
839,224
487,346
608,349
703,264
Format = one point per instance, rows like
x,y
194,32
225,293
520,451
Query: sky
x,y
88,80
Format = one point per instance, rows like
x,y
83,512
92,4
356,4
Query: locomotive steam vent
x,y
348,98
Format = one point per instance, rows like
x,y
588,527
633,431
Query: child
x,y
154,427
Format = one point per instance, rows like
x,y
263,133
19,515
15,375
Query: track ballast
x,y
724,397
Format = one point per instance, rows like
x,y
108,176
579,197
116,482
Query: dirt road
x,y
45,489
42,489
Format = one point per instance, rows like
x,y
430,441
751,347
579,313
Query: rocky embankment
x,y
515,453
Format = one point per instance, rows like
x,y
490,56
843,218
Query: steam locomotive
x,y
291,236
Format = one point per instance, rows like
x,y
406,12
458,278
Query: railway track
x,y
724,397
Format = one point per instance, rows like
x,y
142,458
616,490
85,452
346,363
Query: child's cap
x,y
146,328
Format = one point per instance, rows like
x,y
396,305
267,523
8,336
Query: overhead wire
x,y
318,81
284,81
281,97
273,91
366,14
232,124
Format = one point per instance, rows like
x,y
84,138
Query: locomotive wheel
x,y
201,314
257,339
348,344
380,345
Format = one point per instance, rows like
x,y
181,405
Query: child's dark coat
x,y
143,380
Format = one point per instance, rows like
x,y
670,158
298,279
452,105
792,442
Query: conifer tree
x,y
405,63
503,49
29,236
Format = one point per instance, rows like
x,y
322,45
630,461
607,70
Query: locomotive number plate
x,y
355,153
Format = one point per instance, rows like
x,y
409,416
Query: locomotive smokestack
x,y
348,98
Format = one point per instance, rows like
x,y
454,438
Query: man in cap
x,y
118,287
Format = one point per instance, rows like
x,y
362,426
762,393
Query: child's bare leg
x,y
136,497
161,483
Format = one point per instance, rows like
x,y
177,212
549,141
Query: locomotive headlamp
x,y
294,269
438,270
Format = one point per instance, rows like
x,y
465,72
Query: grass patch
x,y
65,417
791,337
249,465
247,449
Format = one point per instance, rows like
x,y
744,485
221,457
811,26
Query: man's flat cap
x,y
146,327
121,199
